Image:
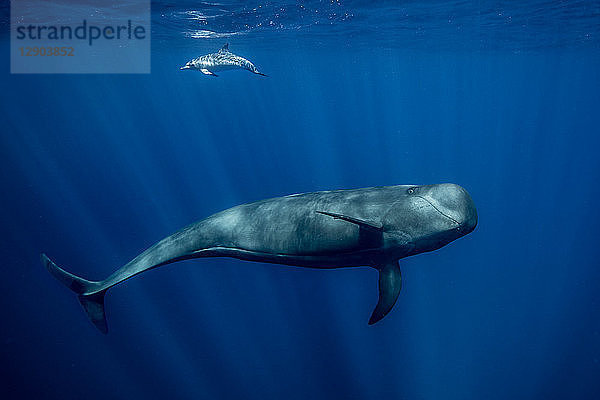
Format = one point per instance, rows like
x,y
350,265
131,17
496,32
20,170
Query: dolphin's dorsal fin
x,y
369,225
390,283
225,47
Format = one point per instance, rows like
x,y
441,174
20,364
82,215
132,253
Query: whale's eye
x,y
411,191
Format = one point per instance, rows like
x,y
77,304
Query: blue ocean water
x,y
501,98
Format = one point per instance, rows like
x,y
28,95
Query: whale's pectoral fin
x,y
369,225
207,72
390,283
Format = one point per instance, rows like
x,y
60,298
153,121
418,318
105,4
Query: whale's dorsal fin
x,y
224,48
369,225
390,283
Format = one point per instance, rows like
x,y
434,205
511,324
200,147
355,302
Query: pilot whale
x,y
222,60
373,227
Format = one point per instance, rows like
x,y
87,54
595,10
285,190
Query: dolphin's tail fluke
x,y
90,293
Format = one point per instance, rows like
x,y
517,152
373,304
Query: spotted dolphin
x,y
222,60
373,227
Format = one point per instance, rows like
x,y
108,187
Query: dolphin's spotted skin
x,y
222,60
333,229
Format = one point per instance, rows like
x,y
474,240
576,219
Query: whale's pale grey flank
x,y
222,60
333,229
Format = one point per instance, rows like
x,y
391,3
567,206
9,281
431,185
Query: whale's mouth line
x,y
438,210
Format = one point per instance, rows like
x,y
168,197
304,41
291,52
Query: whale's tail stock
x,y
90,293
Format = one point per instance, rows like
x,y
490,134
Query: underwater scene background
x,y
499,97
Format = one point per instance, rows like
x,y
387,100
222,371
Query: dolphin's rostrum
x,y
222,60
333,229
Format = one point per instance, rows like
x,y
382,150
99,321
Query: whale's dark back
x,y
291,224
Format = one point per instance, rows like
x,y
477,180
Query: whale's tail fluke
x,y
90,297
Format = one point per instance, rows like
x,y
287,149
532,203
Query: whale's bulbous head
x,y
455,203
434,215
